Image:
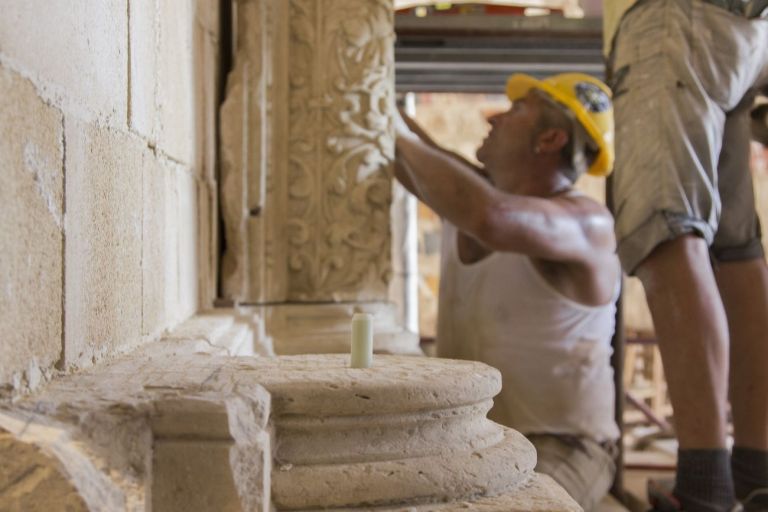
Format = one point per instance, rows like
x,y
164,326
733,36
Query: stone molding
x,y
341,149
325,328
307,151
134,435
244,129
184,428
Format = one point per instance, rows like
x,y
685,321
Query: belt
x,y
746,8
611,447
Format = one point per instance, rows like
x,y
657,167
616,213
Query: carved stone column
x,y
307,148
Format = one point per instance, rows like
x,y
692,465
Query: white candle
x,y
362,341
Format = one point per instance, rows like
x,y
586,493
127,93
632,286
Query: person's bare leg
x,y
691,328
692,331
744,291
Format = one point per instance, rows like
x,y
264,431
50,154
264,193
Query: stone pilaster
x,y
307,149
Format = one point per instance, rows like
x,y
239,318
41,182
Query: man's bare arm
x,y
561,229
403,175
419,132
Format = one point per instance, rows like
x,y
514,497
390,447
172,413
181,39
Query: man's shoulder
x,y
595,219
579,202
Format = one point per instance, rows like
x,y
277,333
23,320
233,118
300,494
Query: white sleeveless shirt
x,y
553,353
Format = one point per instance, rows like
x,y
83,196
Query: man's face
x,y
510,143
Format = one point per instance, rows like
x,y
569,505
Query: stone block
x,y
178,260
196,475
208,247
187,187
50,468
75,51
103,279
171,246
207,59
32,481
31,240
207,17
175,87
210,454
153,260
143,101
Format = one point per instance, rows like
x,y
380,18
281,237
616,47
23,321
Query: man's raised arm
x,y
557,229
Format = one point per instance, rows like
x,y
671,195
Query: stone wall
x,y
107,151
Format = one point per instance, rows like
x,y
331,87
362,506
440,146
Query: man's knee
x,y
683,254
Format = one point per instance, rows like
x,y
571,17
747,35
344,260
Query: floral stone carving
x,y
341,148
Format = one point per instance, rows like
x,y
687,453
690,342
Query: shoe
x,y
662,499
660,495
756,501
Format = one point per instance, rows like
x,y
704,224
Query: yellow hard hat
x,y
590,101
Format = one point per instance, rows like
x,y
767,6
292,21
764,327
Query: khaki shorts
x,y
584,468
684,75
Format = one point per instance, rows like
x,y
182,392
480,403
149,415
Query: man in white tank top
x,y
529,271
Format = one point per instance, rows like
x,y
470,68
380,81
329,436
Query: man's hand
x,y
402,129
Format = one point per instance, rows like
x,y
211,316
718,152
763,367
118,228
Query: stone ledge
x,y
124,441
500,468
157,423
221,332
324,328
539,494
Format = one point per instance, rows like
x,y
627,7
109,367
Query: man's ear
x,y
551,140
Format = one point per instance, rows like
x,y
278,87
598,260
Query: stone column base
x,y
177,427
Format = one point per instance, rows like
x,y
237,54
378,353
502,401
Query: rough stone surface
x,y
206,51
220,332
143,86
539,494
207,91
170,241
324,385
207,244
458,473
175,90
31,238
103,278
183,479
154,252
205,428
325,328
170,246
342,440
73,460
187,256
245,153
209,459
31,481
74,50
115,441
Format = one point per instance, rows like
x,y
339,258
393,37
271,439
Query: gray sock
x,y
750,473
703,482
